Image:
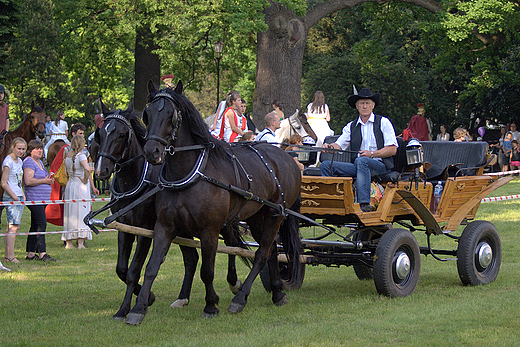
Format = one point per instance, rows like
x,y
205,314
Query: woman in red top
x,y
229,131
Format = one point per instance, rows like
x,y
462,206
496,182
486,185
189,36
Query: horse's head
x,y
162,119
112,142
37,119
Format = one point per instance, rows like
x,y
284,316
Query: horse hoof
x,y
180,303
236,287
282,301
134,318
206,315
118,318
235,308
151,299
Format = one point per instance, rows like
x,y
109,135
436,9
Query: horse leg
x,y
264,227
209,243
279,297
191,258
161,244
124,249
231,239
133,274
239,301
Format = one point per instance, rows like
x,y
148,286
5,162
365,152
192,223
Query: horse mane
x,y
194,123
138,126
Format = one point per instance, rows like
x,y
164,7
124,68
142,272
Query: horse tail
x,y
290,239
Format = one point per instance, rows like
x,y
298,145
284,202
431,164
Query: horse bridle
x,y
176,123
117,117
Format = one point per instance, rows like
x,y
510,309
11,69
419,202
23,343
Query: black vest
x,y
356,138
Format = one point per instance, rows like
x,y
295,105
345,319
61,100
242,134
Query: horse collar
x,y
191,178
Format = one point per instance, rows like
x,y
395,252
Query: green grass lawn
x,y
71,302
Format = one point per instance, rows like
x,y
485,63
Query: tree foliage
x,y
461,59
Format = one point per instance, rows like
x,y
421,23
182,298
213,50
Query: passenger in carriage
x,y
296,140
373,138
272,122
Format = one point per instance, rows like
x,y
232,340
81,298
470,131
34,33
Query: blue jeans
x,y
363,169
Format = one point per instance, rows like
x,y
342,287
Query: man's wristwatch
x,y
371,154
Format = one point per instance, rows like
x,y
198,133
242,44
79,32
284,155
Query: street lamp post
x,y
219,46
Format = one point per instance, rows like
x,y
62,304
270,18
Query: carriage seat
x,y
390,176
449,159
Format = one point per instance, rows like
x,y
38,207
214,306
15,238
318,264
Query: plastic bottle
x,y
437,193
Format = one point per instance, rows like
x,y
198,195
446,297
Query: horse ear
x,y
104,109
42,105
178,88
130,106
32,106
151,87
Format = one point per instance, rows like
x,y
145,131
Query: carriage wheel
x,y
397,263
285,273
362,271
479,253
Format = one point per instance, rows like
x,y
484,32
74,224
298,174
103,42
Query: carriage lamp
x,y
414,153
219,46
414,158
305,155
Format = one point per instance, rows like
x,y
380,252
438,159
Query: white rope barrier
x,y
501,198
51,202
505,173
51,232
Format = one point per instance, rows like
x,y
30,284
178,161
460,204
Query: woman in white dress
x,y
59,131
318,116
77,188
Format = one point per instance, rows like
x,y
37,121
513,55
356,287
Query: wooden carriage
x,y
390,255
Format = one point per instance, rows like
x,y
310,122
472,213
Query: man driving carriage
x,y
372,142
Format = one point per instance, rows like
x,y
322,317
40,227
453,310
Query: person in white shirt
x,y
272,121
514,132
372,142
59,131
12,175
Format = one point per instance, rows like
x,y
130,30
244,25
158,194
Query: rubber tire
x,y
284,274
393,242
364,272
470,272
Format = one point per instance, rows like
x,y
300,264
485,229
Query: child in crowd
x,y
12,174
507,149
298,141
515,155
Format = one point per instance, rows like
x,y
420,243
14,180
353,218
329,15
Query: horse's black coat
x,y
201,209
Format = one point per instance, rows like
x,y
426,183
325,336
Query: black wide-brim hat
x,y
364,93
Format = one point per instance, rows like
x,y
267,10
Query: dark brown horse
x,y
32,126
54,149
209,184
117,149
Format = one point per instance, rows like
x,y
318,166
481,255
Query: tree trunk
x,y
279,63
147,66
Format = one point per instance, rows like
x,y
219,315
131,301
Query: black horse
x,y
208,184
117,146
